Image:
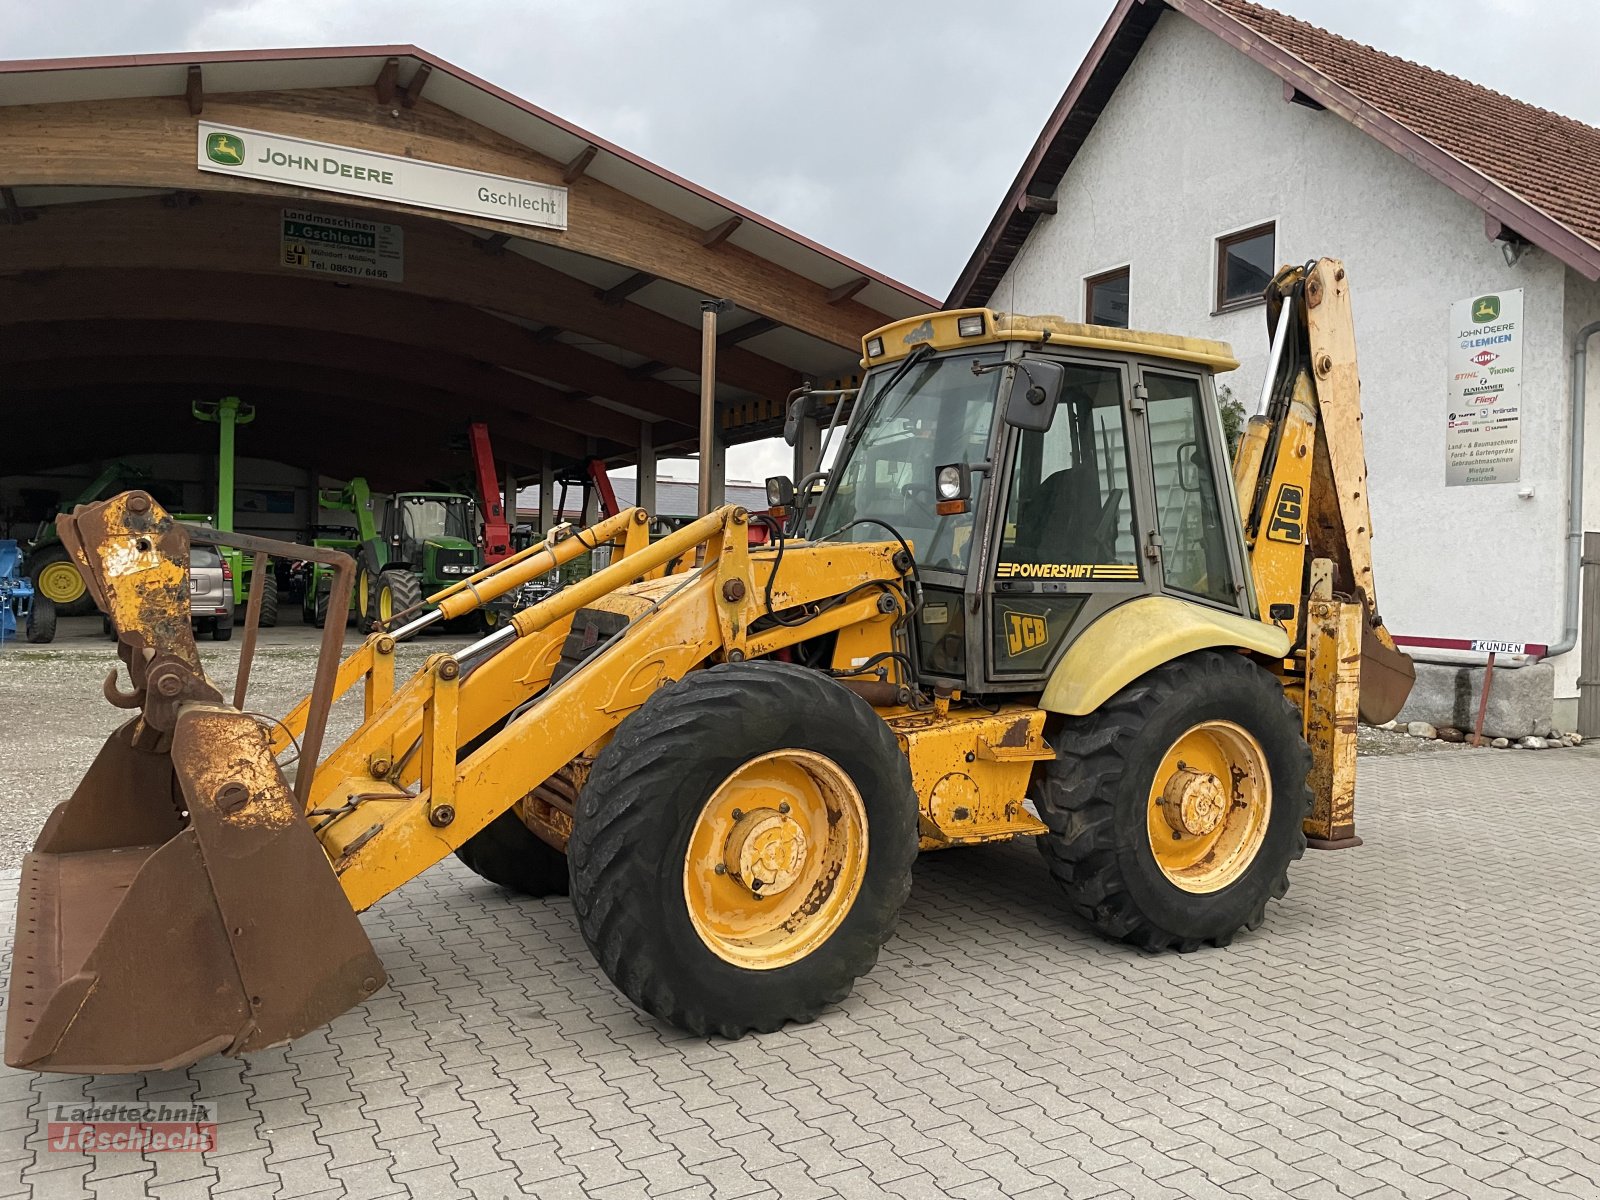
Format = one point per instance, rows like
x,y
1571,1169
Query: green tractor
x,y
55,576
428,541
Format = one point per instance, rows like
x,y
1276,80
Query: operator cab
x,y
441,526
1043,472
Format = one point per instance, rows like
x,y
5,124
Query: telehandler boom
x,y
1027,604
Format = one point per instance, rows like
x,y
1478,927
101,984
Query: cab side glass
x,y
1188,508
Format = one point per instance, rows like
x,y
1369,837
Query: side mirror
x,y
1035,390
802,407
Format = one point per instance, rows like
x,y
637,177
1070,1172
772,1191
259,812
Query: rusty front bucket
x,y
177,906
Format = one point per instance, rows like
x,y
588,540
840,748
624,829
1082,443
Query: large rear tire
x,y
398,590
57,578
508,853
1176,808
41,623
798,791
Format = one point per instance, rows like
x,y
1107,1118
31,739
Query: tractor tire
x,y
1106,816
269,600
508,853
319,611
56,578
697,947
398,590
490,619
366,598
41,623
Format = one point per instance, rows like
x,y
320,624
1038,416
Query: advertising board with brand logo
x,y
351,172
347,246
1483,428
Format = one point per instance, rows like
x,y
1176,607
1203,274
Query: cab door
x,y
1193,532
1067,531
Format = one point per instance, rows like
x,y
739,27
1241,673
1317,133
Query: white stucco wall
x,y
1198,141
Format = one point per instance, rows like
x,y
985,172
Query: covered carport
x,y
499,265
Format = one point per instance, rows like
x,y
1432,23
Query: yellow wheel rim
x,y
776,859
1210,804
362,598
61,582
385,603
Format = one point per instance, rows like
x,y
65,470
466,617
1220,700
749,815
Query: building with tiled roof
x,y
1203,143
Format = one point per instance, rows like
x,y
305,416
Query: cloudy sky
x,y
887,130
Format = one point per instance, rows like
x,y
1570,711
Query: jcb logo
x,y
1288,516
1025,632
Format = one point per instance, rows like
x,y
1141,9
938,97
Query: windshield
x,y
432,517
937,413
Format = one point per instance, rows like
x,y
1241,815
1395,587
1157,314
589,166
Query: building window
x,y
1105,299
1246,263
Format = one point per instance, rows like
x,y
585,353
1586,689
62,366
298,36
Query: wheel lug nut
x,y
738,814
721,868
783,807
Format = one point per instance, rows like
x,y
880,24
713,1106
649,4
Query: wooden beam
x,y
194,91
186,376
1044,205
413,90
647,369
407,448
618,292
847,290
495,243
546,333
136,144
293,301
718,234
574,170
14,214
384,85
230,234
539,412
745,332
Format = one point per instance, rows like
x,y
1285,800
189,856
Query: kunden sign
x,y
1483,431
351,172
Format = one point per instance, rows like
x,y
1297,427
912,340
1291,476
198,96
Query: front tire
x,y
398,590
1176,808
798,790
41,623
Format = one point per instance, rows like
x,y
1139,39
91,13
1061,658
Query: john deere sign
x,y
352,172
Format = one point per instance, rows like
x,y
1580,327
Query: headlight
x,y
970,326
874,347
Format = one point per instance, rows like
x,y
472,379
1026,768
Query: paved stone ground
x,y
1417,1019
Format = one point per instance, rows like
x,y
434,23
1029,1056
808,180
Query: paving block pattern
x,y
1415,1020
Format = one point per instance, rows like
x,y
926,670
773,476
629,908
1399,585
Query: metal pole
x,y
1483,700
708,396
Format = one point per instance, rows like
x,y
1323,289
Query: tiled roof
x,y
1534,174
1551,161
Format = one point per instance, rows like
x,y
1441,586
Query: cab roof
x,y
943,331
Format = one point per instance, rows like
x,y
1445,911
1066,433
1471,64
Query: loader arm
x,y
187,843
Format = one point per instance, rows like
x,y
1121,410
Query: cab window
x,y
1188,509
1070,503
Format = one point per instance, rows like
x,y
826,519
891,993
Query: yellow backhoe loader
x,y
1027,602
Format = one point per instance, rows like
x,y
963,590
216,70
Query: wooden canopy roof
x,y
132,282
